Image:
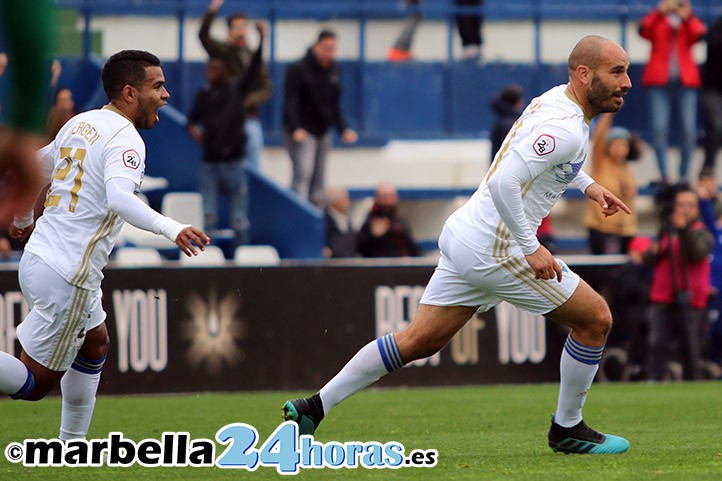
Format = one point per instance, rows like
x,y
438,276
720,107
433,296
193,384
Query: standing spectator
x,y
469,26
217,123
238,55
507,105
340,234
313,104
712,97
672,77
680,286
630,284
713,220
62,110
470,31
385,234
401,51
613,148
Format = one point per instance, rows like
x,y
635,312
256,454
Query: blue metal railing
x,y
538,11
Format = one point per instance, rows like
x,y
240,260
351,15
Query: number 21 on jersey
x,y
69,159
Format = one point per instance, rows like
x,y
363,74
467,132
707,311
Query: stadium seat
x,y
256,256
137,257
185,207
212,257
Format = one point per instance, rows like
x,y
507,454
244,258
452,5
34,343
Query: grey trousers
x,y
309,165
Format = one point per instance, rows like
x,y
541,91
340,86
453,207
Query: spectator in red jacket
x,y
680,287
672,77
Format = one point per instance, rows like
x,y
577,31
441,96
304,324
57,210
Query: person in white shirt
x,y
94,166
489,253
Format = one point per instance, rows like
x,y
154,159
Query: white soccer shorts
x,y
60,314
464,277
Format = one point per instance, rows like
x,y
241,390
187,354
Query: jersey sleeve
x,y
124,156
550,144
46,162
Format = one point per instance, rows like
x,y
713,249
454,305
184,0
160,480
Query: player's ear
x,y
585,74
128,93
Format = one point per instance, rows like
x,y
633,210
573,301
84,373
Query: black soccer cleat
x,y
581,439
306,412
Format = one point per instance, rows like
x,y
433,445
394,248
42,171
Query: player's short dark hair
x,y
126,67
324,34
236,16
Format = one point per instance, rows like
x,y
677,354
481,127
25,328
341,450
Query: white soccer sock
x,y
578,366
15,379
375,359
78,390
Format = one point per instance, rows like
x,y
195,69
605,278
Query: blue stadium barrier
x,y
279,218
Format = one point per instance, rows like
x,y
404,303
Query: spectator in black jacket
x,y
340,234
238,55
385,234
712,97
217,122
507,105
313,96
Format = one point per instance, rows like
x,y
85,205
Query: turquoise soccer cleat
x,y
306,412
581,439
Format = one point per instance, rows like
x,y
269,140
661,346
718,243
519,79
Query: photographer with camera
x,y
385,234
680,284
672,78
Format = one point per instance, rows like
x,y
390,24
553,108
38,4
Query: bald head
x,y
589,51
386,194
337,198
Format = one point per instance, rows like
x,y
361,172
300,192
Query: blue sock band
x,y
27,388
582,353
389,351
88,366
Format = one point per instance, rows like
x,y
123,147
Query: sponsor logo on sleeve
x,y
131,159
545,144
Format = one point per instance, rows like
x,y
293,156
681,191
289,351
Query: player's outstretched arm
x,y
610,203
130,208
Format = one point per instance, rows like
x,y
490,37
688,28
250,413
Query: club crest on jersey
x,y
131,159
565,173
545,144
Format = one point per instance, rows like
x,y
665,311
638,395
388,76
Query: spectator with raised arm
x,y
614,148
238,55
216,122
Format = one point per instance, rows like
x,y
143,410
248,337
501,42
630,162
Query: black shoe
x,y
581,439
306,412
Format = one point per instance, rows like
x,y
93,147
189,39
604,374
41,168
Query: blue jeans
x,y
229,177
660,109
254,144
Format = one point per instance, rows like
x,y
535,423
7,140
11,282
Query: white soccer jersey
x,y
540,157
77,231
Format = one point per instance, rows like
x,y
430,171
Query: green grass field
x,y
496,432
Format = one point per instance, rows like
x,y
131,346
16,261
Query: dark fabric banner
x,y
290,327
